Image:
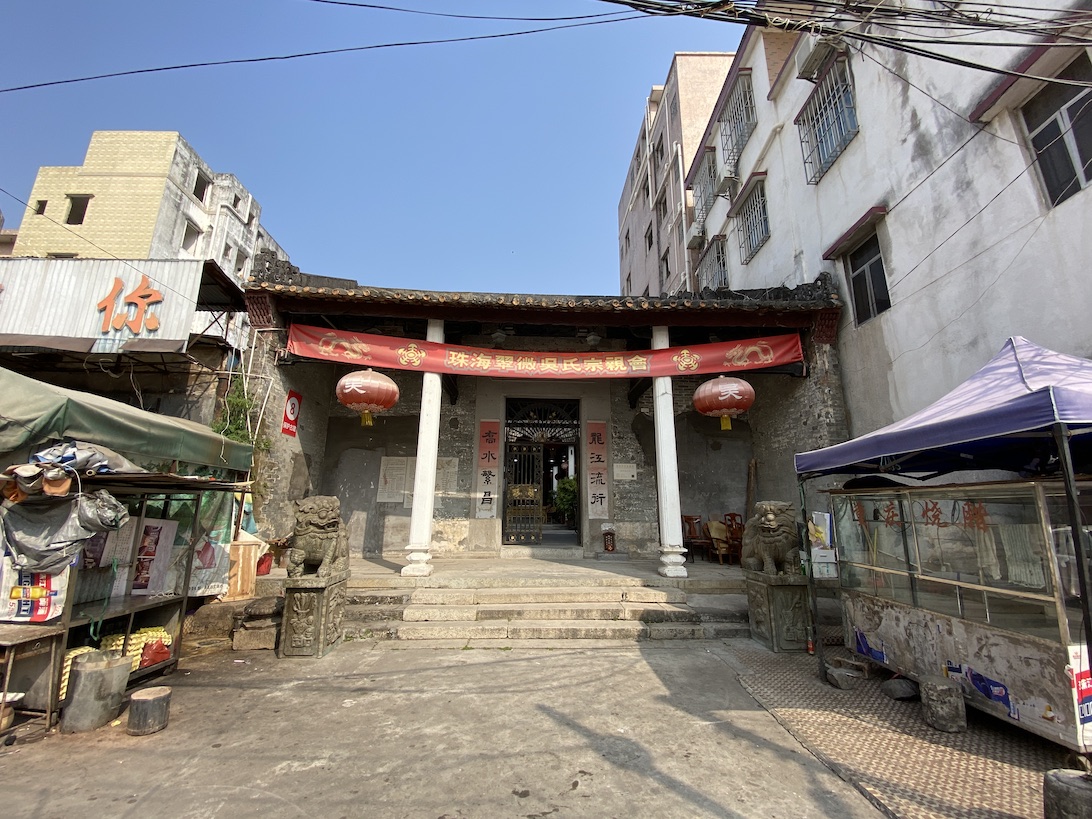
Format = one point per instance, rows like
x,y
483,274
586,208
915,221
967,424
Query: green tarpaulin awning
x,y
33,413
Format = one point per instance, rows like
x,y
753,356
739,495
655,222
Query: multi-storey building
x,y
143,195
148,249
652,213
950,204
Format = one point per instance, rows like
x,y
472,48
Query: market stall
x,y
112,518
985,583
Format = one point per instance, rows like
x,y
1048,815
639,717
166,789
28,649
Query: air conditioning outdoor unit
x,y
695,235
814,51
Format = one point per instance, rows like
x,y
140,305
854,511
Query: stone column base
x,y
419,565
672,562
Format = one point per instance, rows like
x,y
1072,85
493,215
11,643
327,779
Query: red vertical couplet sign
x,y
291,413
487,469
598,486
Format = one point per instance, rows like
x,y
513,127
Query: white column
x,y
424,480
672,554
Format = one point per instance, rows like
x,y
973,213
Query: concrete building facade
x,y
143,195
653,213
949,205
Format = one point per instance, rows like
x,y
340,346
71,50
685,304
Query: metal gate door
x,y
523,493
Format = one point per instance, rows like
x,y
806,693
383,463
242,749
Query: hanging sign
x,y
425,356
291,413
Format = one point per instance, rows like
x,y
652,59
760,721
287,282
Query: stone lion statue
x,y
318,538
771,539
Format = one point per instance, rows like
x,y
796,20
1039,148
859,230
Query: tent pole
x,y
805,544
1061,439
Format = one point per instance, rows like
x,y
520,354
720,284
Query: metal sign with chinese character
x,y
598,487
487,470
398,354
100,305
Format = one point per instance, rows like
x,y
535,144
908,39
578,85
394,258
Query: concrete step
x,y
552,579
525,630
513,552
556,594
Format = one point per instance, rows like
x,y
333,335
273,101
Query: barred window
x,y
705,187
828,121
713,265
737,122
753,223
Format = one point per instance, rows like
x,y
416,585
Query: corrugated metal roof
x,y
69,300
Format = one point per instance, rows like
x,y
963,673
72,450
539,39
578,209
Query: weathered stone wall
x,y
290,467
789,415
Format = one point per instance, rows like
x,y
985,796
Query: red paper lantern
x,y
366,391
725,398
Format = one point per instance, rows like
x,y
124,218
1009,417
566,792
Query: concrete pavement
x,y
390,729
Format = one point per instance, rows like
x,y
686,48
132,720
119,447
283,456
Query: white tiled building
x,y
915,184
652,216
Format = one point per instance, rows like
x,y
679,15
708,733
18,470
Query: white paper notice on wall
x,y
392,480
625,472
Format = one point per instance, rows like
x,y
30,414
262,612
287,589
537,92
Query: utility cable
x,y
319,53
377,7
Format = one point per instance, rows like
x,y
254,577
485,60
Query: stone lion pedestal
x,y
779,611
314,608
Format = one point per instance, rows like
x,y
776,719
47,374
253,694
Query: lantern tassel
x,y
366,419
726,422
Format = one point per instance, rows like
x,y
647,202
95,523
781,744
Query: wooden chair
x,y
695,537
718,532
733,524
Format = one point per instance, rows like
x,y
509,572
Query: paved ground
x,y
442,730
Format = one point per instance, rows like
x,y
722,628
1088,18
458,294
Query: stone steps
x,y
612,612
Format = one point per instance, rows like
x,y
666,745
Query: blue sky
x,y
488,166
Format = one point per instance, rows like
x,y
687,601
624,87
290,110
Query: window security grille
x,y
828,121
753,223
713,266
737,123
705,187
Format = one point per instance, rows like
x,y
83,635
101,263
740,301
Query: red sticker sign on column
x,y
291,413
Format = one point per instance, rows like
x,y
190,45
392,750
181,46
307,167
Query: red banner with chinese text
x,y
399,354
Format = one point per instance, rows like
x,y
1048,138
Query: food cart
x,y
986,583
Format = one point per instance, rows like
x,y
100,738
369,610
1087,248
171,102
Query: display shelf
x,y
119,607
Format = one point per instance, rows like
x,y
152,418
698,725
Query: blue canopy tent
x,y
1028,410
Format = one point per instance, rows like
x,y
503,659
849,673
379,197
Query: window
x,y
659,151
661,209
625,245
753,223
673,107
240,263
60,255
190,237
236,201
648,238
665,271
629,285
201,186
828,121
737,123
867,280
705,187
713,265
1059,123
77,208
40,206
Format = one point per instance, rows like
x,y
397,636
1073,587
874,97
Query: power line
x,y
376,7
319,53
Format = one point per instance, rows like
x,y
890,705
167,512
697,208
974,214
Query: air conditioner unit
x,y
695,235
813,52
727,179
